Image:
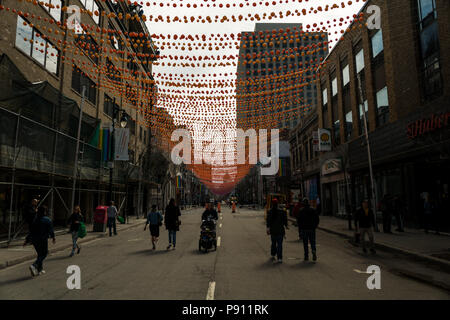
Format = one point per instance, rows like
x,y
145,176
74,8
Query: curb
x,y
13,262
444,265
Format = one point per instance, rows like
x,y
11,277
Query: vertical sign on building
x,y
324,139
121,140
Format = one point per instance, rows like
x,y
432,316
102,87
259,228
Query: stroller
x,y
207,235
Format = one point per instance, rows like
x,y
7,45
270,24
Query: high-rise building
x,y
277,63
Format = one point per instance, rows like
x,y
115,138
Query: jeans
x,y
277,246
173,237
369,232
74,241
41,248
112,224
309,236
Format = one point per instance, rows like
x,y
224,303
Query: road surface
x,y
125,267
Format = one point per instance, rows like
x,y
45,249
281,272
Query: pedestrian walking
x,y
365,221
154,219
112,215
41,230
30,212
431,213
172,222
75,219
307,222
219,207
276,224
386,207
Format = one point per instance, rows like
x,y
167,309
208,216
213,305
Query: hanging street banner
x,y
121,140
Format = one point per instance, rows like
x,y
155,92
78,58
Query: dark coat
x,y
41,229
364,221
171,218
307,219
73,219
276,221
210,212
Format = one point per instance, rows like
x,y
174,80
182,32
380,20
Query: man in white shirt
x,y
112,214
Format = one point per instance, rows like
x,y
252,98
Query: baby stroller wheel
x,y
199,245
215,245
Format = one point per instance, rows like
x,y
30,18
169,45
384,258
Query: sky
x,y
205,119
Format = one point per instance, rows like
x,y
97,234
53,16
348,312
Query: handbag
x,y
82,230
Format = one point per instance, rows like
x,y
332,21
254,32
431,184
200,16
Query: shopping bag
x,y
82,230
121,219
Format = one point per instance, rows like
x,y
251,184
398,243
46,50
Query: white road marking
x,y
220,225
22,249
211,289
218,241
135,239
359,271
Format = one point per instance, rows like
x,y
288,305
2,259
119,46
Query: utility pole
x,y
111,163
77,150
369,154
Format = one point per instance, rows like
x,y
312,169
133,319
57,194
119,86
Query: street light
x,y
123,123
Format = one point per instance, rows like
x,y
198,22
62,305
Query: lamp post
x,y
123,123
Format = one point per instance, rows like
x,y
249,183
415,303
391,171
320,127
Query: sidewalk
x,y
16,253
429,248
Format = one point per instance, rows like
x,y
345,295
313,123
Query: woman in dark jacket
x,y
74,221
172,222
276,223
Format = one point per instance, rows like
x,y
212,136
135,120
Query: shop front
x,y
411,157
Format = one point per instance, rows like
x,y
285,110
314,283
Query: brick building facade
x,y
404,72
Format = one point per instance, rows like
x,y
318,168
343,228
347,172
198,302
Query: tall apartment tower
x,y
276,66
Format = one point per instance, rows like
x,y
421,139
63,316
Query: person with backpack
x,y
172,222
75,220
41,230
307,221
276,224
154,219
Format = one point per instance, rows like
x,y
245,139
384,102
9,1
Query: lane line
x,y
211,289
218,241
220,225
359,271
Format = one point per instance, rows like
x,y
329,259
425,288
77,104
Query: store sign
x,y
324,139
315,141
422,126
331,166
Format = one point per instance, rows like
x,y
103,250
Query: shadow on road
x,y
13,281
150,251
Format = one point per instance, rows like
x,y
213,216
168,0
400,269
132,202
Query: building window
x,y
430,49
359,60
337,132
348,125
377,43
92,6
382,107
324,97
86,43
108,106
361,117
30,42
334,87
345,76
79,80
53,7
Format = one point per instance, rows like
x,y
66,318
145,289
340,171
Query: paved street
x,y
125,267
